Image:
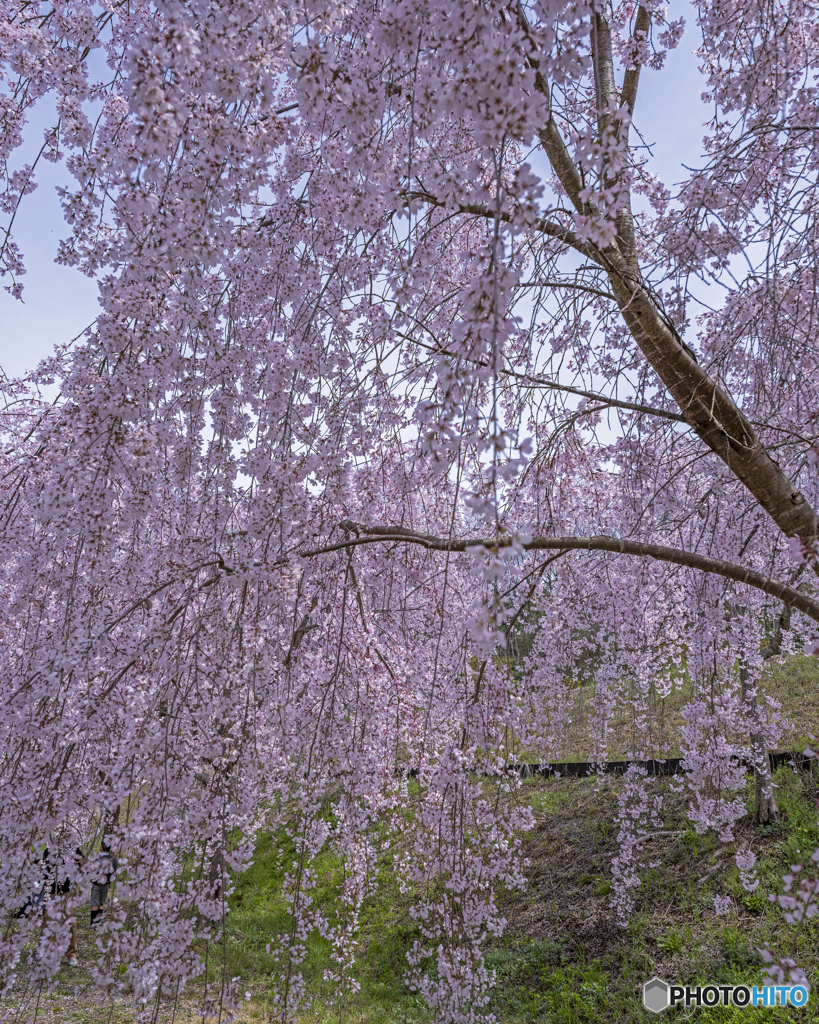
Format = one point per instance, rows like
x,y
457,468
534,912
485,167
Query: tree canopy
x,y
402,343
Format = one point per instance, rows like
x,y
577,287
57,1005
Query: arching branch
x,y
544,225
380,534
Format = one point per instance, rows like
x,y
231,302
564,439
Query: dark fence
x,y
665,766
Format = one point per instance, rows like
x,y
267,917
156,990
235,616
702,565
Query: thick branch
x,y
550,136
712,414
631,79
715,418
547,227
626,241
552,141
617,545
603,61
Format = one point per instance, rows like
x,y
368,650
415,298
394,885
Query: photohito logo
x,y
658,995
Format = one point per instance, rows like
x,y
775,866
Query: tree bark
x,y
384,533
714,417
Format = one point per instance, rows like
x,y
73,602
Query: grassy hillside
x,y
563,958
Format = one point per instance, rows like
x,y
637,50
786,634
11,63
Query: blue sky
x,y
58,302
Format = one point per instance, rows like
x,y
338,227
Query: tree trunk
x,y
710,412
765,807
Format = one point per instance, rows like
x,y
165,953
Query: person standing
x,y
105,870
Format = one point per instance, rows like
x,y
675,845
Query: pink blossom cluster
x,y
637,812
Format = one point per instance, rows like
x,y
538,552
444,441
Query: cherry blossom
x,y
403,357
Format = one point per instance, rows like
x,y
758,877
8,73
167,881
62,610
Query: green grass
x,y
385,932
795,684
563,959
